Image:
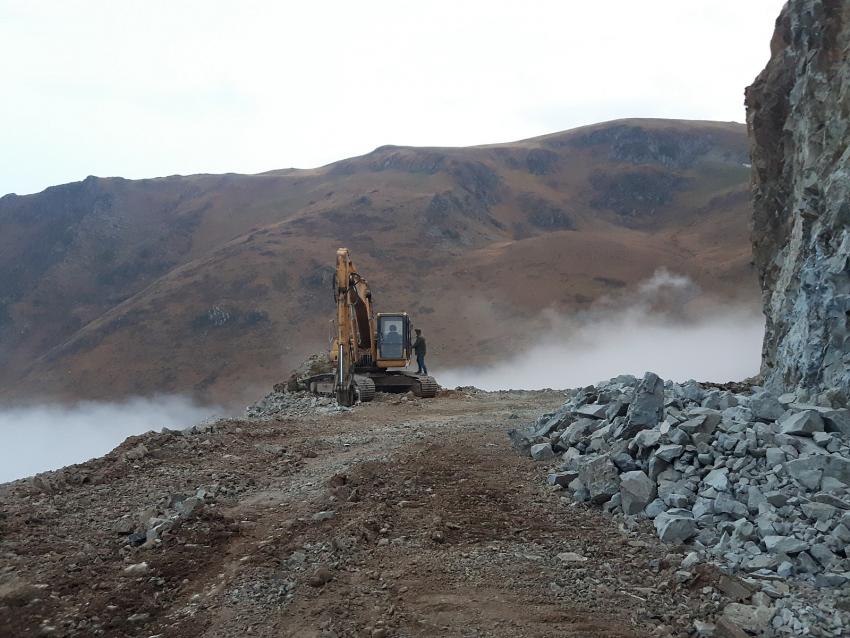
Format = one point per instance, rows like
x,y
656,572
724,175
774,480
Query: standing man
x,y
419,349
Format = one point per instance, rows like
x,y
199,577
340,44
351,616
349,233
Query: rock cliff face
x,y
798,114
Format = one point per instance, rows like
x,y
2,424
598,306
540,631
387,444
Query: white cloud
x,y
147,89
37,438
651,329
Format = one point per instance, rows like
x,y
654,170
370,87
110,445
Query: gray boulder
x,y
829,499
600,477
618,408
647,408
837,421
738,414
675,526
776,498
822,438
725,504
669,453
841,533
810,479
647,439
755,619
636,491
580,493
822,554
694,425
784,545
692,391
807,564
521,441
562,479
703,507
542,452
766,407
655,508
835,467
717,479
819,511
624,462
803,423
186,508
656,466
755,499
830,484
548,424
593,411
711,418
774,456
576,431
679,437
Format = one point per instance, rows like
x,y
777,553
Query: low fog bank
x,y
648,330
36,438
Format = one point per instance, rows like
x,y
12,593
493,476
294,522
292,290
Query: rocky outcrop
x,y
542,213
636,193
638,145
798,114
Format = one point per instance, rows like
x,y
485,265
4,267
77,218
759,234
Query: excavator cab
x,y
393,342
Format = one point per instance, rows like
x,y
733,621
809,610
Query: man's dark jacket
x,y
419,346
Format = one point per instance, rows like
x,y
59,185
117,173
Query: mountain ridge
x,y
164,261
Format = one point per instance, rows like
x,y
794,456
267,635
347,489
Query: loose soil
x,y
399,518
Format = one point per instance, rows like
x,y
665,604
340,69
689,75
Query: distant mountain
x,y
215,285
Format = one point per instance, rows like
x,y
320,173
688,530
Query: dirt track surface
x,y
411,518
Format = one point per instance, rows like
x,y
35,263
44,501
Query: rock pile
x,y
149,525
313,365
292,405
756,483
759,483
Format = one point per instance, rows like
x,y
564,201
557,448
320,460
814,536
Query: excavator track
x,y
365,388
425,387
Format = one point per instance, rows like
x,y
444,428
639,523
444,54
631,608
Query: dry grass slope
x,y
216,284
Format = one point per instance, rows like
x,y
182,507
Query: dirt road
x,y
400,518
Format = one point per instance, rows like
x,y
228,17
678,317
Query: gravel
x,y
292,405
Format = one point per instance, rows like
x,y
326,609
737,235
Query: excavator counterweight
x,y
367,346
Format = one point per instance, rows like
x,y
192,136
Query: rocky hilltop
x,y
797,113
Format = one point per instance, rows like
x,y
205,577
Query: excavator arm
x,y
355,325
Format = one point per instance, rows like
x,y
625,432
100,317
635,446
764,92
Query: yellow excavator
x,y
367,345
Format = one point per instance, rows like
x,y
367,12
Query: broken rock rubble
x,y
148,526
292,405
755,483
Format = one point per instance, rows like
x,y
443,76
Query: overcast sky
x,y
144,89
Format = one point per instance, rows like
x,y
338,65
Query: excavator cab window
x,y
393,336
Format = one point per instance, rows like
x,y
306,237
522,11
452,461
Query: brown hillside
x,y
217,284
